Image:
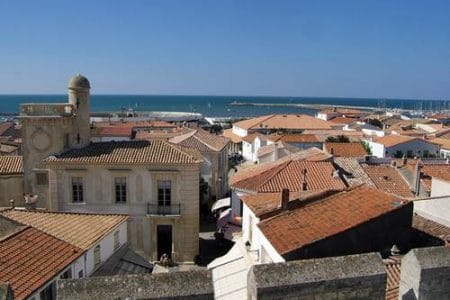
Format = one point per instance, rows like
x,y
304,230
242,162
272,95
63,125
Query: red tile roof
x,y
134,152
439,171
432,228
285,122
288,174
393,268
345,149
394,139
294,229
30,258
343,120
201,140
228,133
11,164
294,138
388,179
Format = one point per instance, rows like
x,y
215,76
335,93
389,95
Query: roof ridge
x,y
180,149
263,120
44,211
279,167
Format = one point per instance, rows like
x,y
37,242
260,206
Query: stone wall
x,y
177,285
11,187
346,277
425,274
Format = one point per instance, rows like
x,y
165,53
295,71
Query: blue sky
x,y
389,49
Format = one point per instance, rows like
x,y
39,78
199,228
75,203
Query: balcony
x,y
164,210
46,110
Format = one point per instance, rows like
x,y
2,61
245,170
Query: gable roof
x,y
388,179
353,171
30,258
128,152
201,140
444,143
440,171
394,139
294,229
345,149
343,120
288,174
80,230
285,122
294,138
11,164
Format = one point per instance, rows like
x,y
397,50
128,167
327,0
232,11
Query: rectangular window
x,y
77,189
67,274
42,178
80,274
164,192
121,189
97,256
116,240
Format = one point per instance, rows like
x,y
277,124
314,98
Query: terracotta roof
x,y
353,172
345,149
121,131
388,179
201,140
440,171
131,124
285,122
261,204
393,268
128,152
228,133
161,133
343,120
444,143
293,138
5,127
304,225
30,258
394,139
80,230
432,228
6,148
288,174
342,111
11,164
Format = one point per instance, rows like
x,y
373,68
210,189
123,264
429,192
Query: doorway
x,y
164,240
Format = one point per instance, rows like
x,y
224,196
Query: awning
x,y
222,203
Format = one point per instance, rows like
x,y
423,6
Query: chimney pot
x,y
284,198
11,203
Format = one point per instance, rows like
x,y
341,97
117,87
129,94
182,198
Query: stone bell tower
x,y
52,128
79,88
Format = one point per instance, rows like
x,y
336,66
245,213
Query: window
x,y
77,189
66,141
116,240
80,274
97,256
121,189
164,192
42,178
67,274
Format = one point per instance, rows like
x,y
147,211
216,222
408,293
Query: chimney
x,y
284,198
12,204
404,160
393,163
30,201
304,183
331,151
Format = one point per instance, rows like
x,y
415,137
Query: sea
x,y
218,106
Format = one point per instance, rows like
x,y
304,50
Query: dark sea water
x,y
215,106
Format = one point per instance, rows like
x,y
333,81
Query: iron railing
x,y
155,209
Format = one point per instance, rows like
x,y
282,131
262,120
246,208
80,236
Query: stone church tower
x,y
52,128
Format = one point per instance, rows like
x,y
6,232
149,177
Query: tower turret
x,y
79,91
